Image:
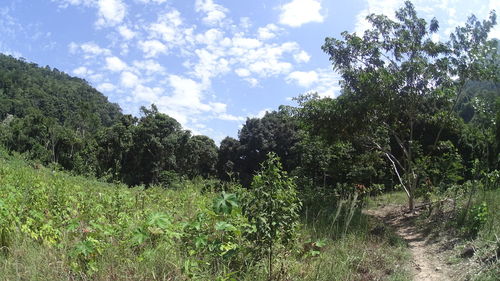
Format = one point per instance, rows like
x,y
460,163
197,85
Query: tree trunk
x,y
411,202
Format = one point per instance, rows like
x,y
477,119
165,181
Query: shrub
x,y
478,217
273,208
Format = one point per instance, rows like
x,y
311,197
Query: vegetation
x,y
283,201
60,227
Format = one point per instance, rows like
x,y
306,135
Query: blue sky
x,y
208,63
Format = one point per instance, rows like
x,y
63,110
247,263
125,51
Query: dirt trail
x,y
427,264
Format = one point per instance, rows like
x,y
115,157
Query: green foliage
x,y
225,203
60,226
26,87
276,132
273,208
55,118
477,218
399,94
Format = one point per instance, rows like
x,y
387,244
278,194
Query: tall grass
x,y
62,227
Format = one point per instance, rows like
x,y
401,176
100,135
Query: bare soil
x,y
428,260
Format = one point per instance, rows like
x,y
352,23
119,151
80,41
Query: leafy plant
x,y
225,203
273,208
477,218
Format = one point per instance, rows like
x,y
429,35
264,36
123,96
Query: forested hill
x,y
55,119
26,88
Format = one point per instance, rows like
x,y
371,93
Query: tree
x,y
202,156
113,148
228,158
394,71
275,132
155,141
273,207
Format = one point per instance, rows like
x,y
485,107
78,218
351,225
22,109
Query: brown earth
x,y
428,263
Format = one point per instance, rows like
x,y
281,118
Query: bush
x,y
477,218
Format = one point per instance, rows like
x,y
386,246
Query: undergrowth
x,y
55,226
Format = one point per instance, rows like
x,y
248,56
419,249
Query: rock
x,y
438,268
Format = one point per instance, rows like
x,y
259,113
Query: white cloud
x,y
230,117
89,49
267,60
242,72
126,32
218,107
261,113
150,66
246,43
152,48
209,65
94,49
323,81
106,87
245,23
186,94
166,26
115,64
304,79
66,3
129,79
268,32
171,32
303,56
153,1
147,94
214,13
185,101
210,37
110,12
328,84
387,7
82,71
450,13
299,12
252,81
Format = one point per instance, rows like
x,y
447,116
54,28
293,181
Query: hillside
x,y
26,87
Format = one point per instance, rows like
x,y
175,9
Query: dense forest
x,y
415,115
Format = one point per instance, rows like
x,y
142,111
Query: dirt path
x,y
427,264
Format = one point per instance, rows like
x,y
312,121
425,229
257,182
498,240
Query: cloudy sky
x,y
208,63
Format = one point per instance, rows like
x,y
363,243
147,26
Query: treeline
x,y
415,113
58,119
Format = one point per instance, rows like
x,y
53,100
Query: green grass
x,y
394,197
55,226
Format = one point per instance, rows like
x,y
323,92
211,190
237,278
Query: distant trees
x,y
55,118
145,150
276,132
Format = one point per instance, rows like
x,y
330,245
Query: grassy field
x,y
55,226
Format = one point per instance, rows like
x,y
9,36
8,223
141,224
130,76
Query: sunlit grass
x,y
67,209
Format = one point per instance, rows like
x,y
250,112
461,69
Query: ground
x,y
429,263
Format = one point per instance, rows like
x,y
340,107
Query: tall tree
x,y
155,141
275,132
395,69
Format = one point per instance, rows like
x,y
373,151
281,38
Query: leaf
x,y
159,220
225,203
224,226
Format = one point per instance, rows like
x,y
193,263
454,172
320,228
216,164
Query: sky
x,y
210,64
